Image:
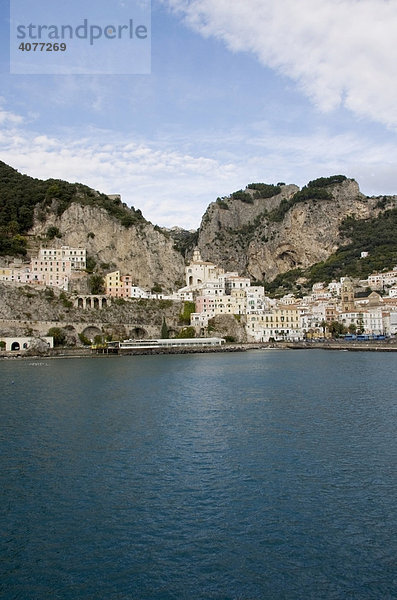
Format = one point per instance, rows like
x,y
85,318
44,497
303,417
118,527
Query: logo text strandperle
x,y
82,32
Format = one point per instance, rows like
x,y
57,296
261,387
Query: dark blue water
x,y
261,475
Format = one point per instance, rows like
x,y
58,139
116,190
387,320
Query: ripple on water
x,y
244,476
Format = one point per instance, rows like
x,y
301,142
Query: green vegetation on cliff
x,y
314,190
243,197
326,181
377,236
261,190
264,190
188,309
20,195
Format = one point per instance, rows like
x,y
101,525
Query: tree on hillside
x,y
164,330
97,284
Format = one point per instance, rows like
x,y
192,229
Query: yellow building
x,y
118,286
280,323
113,284
6,274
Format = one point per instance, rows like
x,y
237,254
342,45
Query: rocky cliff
x,y
261,231
263,237
140,250
33,310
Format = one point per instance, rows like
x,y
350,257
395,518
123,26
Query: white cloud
x,y
341,52
8,118
174,187
169,186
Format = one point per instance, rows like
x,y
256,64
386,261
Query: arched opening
x,y
104,302
15,346
96,302
91,331
80,303
191,280
88,303
138,333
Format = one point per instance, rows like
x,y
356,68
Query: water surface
x,y
260,475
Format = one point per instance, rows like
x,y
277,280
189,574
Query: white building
x,y
392,322
56,264
234,282
393,292
137,292
200,271
255,296
378,280
76,256
15,344
21,275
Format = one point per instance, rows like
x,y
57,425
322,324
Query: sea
x,y
259,475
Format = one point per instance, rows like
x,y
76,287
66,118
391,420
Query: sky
x,y
238,92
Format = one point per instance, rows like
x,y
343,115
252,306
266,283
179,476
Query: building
x,y
21,275
120,286
347,295
380,280
56,265
280,323
255,299
200,271
17,344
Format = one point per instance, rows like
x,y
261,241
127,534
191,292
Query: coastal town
x,y
363,309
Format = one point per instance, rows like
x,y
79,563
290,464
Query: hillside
x,y
34,212
276,234
292,229
376,235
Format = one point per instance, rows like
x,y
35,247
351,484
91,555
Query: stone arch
x,y
191,280
80,303
91,331
172,332
96,302
138,333
15,346
104,302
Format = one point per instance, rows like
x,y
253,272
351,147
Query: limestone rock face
x,y
228,326
224,233
247,239
140,250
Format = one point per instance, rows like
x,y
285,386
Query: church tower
x,y
196,255
347,294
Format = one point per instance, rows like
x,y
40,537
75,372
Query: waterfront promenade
x,y
341,345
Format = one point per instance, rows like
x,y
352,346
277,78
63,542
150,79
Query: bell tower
x,y
347,295
196,255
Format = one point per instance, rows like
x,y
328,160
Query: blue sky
x,y
260,91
